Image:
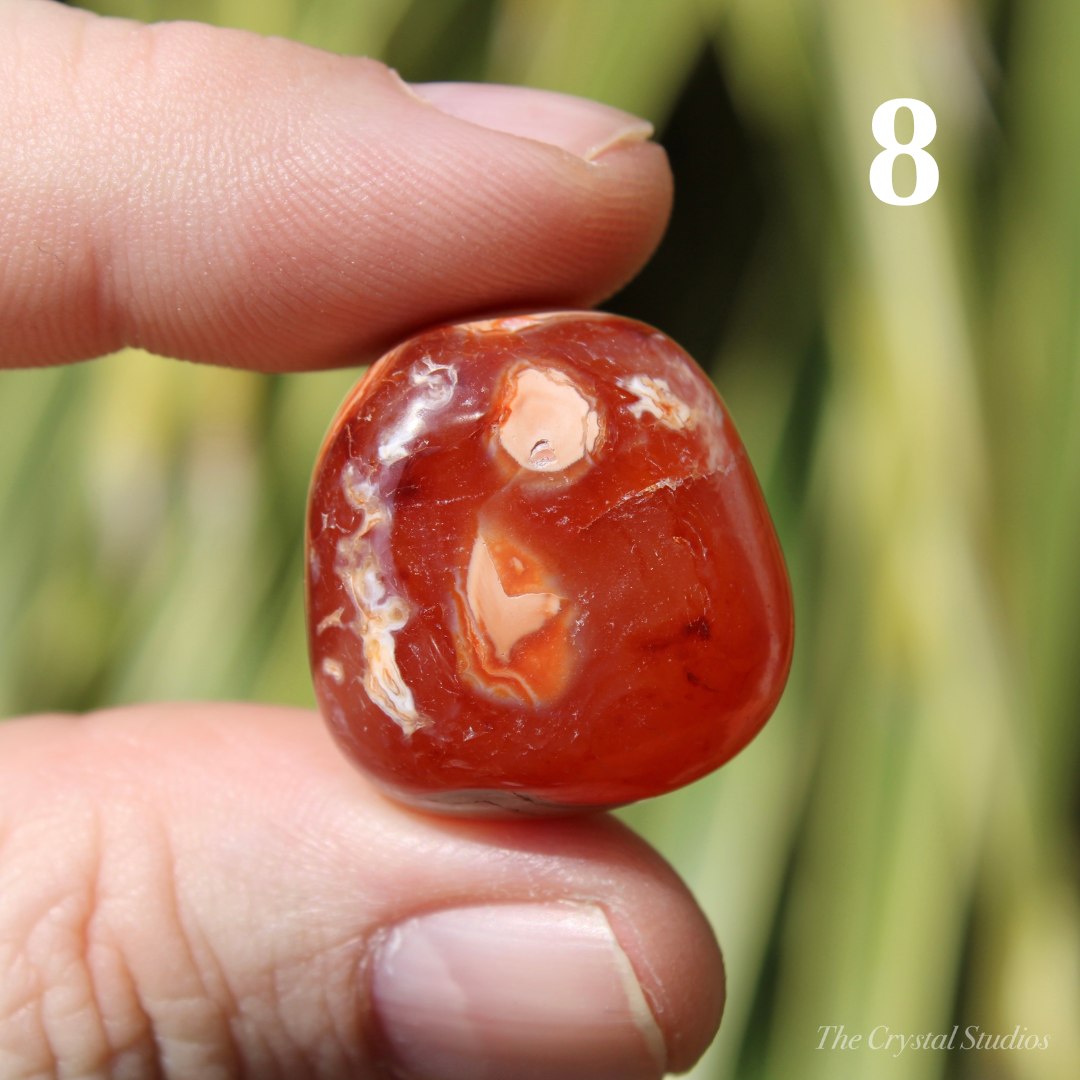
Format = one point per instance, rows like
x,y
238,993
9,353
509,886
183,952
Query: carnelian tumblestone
x,y
540,572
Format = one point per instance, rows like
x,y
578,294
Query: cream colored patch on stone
x,y
504,619
512,324
550,425
333,669
379,614
333,619
435,384
654,397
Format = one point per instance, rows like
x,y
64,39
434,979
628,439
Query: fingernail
x,y
513,992
582,127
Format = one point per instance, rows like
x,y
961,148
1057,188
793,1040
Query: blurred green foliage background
x,y
899,846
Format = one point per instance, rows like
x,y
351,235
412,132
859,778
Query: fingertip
x,y
641,174
655,921
676,956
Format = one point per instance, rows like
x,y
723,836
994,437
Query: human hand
x,y
211,890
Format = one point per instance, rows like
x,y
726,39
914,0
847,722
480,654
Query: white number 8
x,y
926,170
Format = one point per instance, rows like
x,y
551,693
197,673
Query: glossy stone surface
x,y
541,575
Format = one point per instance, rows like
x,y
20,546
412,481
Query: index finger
x,y
218,196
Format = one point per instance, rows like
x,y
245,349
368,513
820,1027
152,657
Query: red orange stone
x,y
540,572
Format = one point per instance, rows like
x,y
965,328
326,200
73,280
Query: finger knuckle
x,y
68,1002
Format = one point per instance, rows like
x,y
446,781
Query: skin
x,y
300,210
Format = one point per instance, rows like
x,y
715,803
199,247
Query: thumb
x,y
215,195
205,891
